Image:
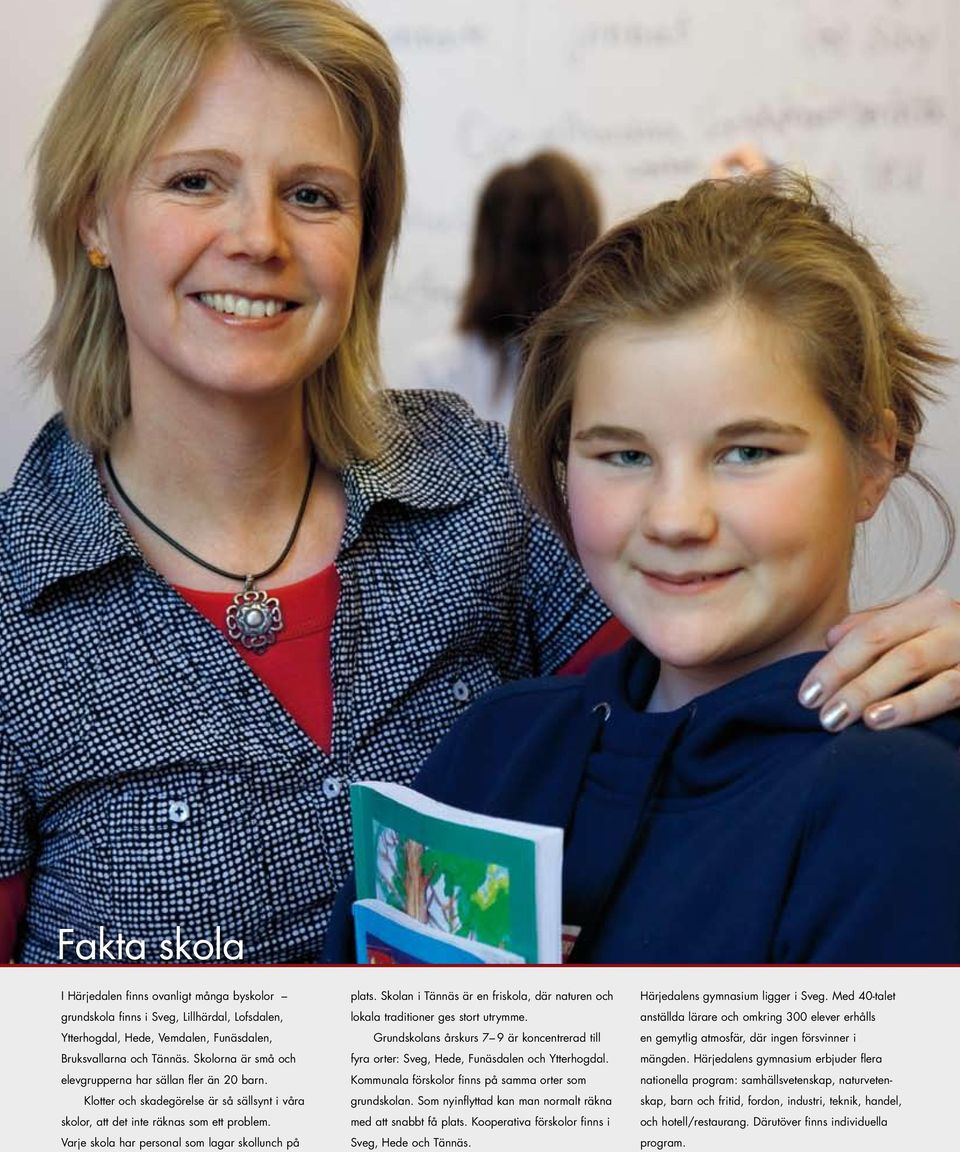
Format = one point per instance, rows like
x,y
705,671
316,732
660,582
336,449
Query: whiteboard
x,y
864,94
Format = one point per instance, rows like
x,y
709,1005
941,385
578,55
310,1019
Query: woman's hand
x,y
890,666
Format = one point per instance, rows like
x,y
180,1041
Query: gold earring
x,y
98,258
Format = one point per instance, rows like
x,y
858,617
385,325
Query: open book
x,y
435,881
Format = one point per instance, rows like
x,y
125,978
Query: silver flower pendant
x,y
254,619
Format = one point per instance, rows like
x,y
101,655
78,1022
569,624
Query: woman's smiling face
x,y
235,248
713,494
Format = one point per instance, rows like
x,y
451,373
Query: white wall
x,y
41,41
863,93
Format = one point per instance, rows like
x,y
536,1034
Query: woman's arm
x,y
16,822
13,904
891,666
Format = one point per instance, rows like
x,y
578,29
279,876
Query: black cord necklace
x,y
253,618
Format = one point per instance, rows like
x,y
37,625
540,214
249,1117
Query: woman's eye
x,y
192,182
310,197
627,458
746,454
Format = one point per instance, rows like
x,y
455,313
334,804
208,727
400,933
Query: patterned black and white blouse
x,y
150,779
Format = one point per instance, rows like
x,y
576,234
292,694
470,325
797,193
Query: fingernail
x,y
812,694
882,715
834,716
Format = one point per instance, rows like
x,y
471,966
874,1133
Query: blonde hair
x,y
128,83
769,243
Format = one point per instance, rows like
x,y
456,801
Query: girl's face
x,y
235,249
713,495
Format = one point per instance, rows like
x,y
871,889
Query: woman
x,y
533,219
236,576
219,187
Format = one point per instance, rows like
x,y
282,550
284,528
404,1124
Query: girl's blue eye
x,y
627,458
747,454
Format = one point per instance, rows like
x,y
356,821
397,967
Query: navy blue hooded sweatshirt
x,y
733,830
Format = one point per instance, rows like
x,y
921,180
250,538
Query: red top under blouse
x,y
296,667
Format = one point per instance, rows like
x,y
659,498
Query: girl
x,y
725,391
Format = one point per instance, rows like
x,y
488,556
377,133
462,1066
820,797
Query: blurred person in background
x,y
533,219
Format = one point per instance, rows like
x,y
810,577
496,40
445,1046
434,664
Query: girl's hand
x,y
890,666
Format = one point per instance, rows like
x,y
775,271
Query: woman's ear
x,y
879,467
92,231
